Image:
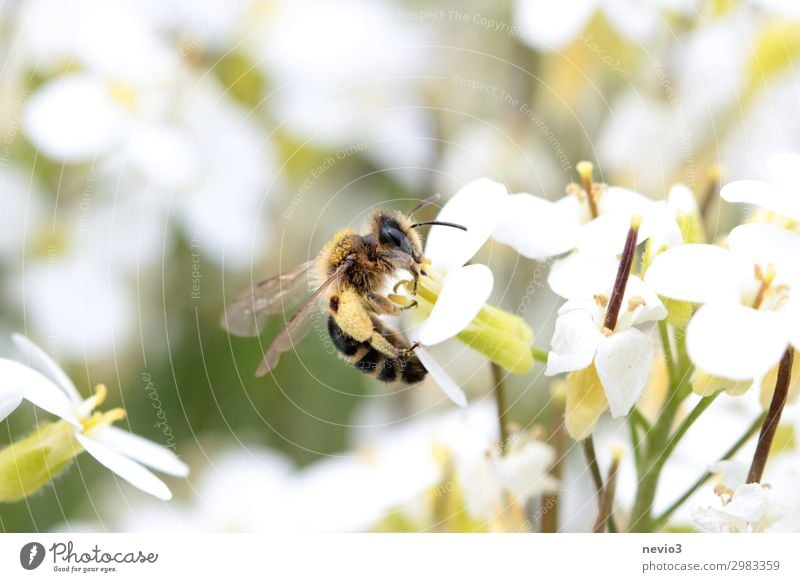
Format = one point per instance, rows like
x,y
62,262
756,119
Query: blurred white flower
x,y
121,89
782,196
750,311
549,26
120,451
620,358
355,78
508,480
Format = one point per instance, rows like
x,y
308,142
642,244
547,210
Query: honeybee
x,y
349,277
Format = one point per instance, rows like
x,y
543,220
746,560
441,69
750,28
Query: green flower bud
x,y
29,464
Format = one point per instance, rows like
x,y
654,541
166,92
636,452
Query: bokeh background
x,y
158,156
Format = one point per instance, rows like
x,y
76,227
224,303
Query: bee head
x,y
395,233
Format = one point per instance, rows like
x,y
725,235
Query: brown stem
x,y
623,272
607,497
767,434
550,502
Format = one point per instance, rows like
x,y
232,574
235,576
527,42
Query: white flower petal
x,y
478,206
536,228
681,199
770,196
698,273
549,26
129,470
524,472
41,360
623,365
10,398
73,119
735,342
714,520
749,503
765,244
142,450
442,378
581,276
37,389
464,292
622,200
606,234
574,342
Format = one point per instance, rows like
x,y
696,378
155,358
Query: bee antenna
x,y
432,199
439,223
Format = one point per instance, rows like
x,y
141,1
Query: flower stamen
x,y
592,190
765,278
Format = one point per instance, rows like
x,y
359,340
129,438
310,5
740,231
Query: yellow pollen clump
x,y
339,247
601,300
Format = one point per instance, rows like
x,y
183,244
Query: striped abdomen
x,y
406,369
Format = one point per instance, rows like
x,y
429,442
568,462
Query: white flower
x,y
121,88
746,507
749,292
621,358
452,295
118,450
509,480
782,196
549,26
538,228
334,88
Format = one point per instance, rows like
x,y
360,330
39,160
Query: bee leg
x,y
383,305
403,302
405,261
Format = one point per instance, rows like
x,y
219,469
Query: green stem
x,y
539,355
672,371
637,418
500,399
637,445
662,519
655,457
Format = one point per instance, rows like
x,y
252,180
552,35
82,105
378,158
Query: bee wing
x,y
297,327
247,315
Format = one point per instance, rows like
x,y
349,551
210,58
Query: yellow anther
x,y
635,302
601,300
100,393
585,170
